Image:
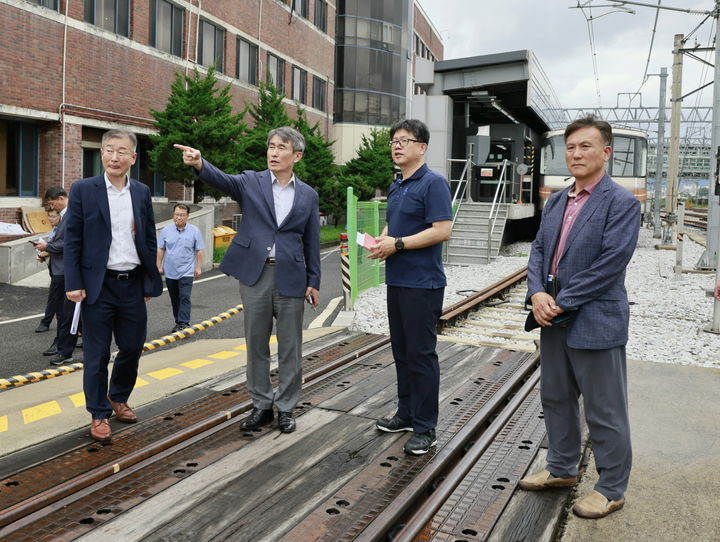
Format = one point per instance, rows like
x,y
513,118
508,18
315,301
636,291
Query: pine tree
x,y
199,115
372,167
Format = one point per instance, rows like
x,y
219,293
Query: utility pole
x,y
713,224
660,162
674,149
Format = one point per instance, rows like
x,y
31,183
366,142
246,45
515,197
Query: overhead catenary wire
x,y
593,50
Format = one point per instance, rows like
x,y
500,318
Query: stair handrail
x,y
495,208
459,195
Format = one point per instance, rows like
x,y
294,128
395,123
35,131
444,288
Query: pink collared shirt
x,y
573,206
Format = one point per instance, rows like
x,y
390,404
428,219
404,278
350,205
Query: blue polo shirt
x,y
180,250
413,205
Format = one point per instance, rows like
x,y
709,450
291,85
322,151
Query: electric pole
x,y
660,161
674,149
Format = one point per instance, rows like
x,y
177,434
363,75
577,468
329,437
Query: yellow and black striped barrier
x,y
21,380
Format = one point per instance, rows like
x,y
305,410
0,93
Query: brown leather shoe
x,y
123,412
100,430
545,480
596,506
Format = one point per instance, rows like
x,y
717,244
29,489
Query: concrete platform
x,y
674,492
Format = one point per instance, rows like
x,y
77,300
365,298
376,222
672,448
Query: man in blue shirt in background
x,y
419,219
179,258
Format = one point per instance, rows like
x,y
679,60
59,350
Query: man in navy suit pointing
x,y
275,256
110,249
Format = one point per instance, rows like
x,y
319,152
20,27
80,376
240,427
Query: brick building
x,y
72,69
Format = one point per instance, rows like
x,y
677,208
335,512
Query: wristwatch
x,y
399,244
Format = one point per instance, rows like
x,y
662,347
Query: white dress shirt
x,y
283,196
123,254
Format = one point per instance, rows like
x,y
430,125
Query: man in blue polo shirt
x,y
179,258
419,219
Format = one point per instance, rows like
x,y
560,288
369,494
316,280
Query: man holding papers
x,y
419,219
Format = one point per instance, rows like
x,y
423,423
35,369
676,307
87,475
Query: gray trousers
x,y
262,303
600,376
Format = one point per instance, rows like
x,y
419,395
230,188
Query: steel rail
x,y
183,438
453,479
456,309
378,528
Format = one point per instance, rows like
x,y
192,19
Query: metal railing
x,y
495,208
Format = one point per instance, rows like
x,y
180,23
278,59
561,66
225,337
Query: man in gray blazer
x,y
576,276
276,257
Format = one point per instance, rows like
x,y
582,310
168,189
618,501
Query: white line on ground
x,y
324,315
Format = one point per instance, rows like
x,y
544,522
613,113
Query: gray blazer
x,y
591,271
297,239
56,249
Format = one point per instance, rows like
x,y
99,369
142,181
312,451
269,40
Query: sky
x,y
560,39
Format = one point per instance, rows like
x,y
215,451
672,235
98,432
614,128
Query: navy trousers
x,y
413,315
180,291
120,311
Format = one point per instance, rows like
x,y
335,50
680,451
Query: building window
x,y
301,6
299,85
52,4
318,94
112,15
321,15
166,26
247,57
19,158
212,46
276,72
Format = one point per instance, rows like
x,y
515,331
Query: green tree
x,y
268,113
199,115
372,167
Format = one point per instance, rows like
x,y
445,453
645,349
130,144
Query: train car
x,y
627,166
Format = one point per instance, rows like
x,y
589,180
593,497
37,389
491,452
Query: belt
x,y
270,260
121,275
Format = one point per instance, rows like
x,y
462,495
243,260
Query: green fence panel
x,y
364,217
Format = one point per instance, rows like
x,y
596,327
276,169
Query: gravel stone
x,y
667,313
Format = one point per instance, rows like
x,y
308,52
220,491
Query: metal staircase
x,y
471,242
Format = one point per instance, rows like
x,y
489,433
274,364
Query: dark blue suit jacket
x,y
88,237
297,239
591,271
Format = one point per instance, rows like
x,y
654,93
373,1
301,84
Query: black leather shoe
x,y
51,351
42,328
393,425
286,422
59,359
258,418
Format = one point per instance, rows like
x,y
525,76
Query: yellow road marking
x,y
241,347
78,399
41,411
223,355
140,382
165,373
3,423
196,363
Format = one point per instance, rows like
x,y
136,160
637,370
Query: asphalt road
x,y
21,309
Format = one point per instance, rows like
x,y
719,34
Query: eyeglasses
x,y
402,143
121,153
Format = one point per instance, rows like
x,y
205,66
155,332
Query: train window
x,y
623,157
640,158
552,158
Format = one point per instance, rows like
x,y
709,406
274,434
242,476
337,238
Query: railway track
x,y
492,427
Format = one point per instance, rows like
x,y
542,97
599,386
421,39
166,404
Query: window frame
x,y
320,15
318,98
253,51
176,11
90,15
43,4
218,43
302,98
279,70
